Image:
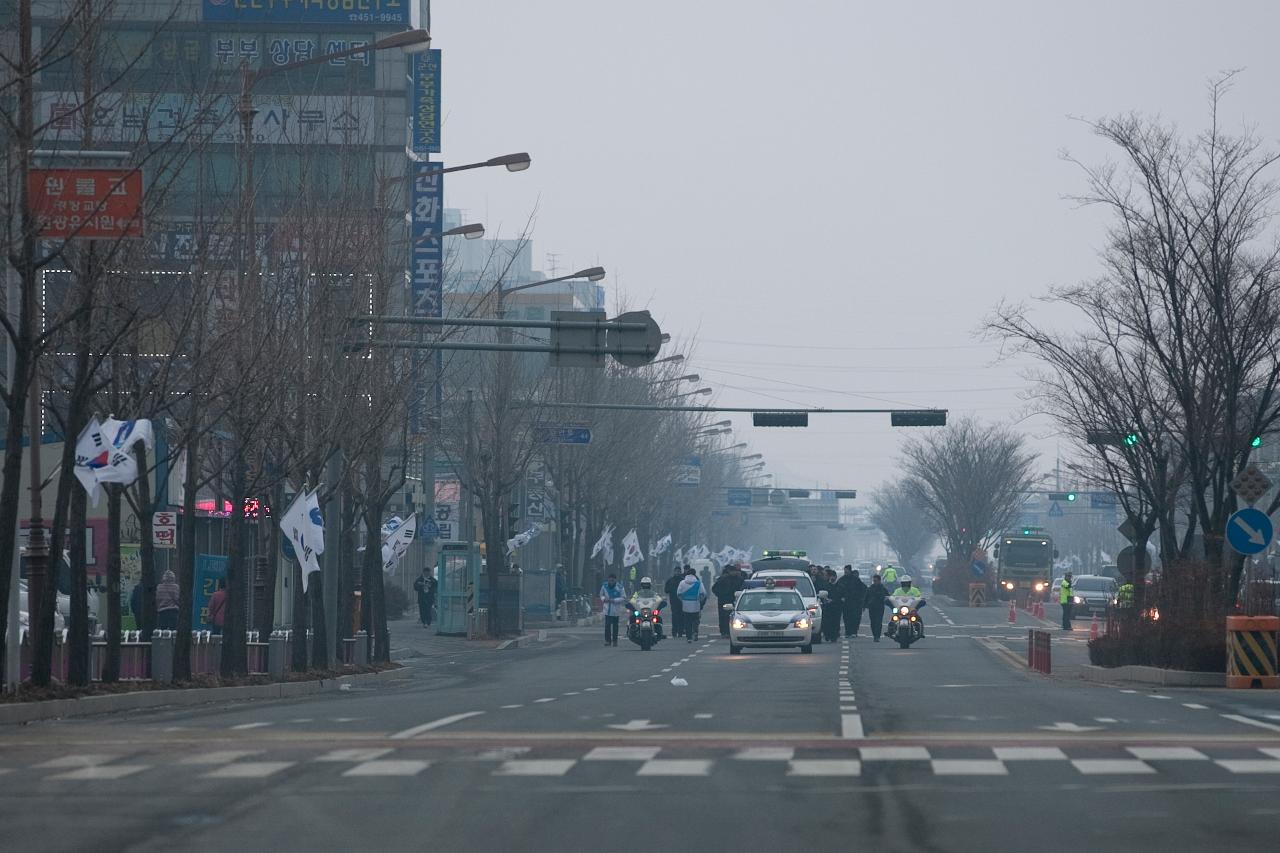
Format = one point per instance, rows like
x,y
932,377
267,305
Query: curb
x,y
27,712
1152,675
523,640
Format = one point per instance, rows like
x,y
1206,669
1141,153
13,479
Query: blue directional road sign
x,y
564,435
738,497
1250,531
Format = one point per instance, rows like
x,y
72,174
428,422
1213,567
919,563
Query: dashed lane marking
x,y
851,727
1195,706
434,724
246,726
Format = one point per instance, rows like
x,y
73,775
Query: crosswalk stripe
x,y
895,753
392,767
824,767
766,753
536,767
622,753
248,770
1029,753
221,756
77,761
1167,753
1111,766
1256,765
969,767
353,755
675,767
105,771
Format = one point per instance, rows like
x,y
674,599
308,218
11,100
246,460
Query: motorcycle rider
x,y
647,596
907,589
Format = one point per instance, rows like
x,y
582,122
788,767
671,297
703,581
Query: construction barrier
x,y
1251,651
1039,656
977,595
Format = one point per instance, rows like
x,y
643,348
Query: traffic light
x,y
1130,439
1063,496
918,417
1257,441
780,419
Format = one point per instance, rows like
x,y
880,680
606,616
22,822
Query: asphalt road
x,y
568,745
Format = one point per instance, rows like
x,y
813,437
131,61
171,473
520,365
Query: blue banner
x,y
211,570
392,13
426,276
424,102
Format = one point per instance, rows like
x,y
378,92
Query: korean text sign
x,y
426,273
89,204
395,12
424,102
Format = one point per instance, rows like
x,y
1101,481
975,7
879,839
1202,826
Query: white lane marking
x,y
1158,696
434,724
1166,753
622,753
1128,691
969,767
675,767
112,771
1274,753
393,767
536,767
245,726
248,770
355,755
703,716
611,684
509,707
1194,706
223,756
1250,766
825,767
895,753
766,753
851,727
1105,720
667,669
306,720
1111,766
1239,718
1029,753
543,700
590,689
77,761
502,753
571,693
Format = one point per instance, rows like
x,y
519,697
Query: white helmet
x,y
646,581
905,579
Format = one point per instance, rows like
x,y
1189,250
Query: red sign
x,y
89,204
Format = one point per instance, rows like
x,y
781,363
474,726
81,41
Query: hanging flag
x,y
524,538
660,547
299,526
396,541
604,545
104,453
678,557
631,553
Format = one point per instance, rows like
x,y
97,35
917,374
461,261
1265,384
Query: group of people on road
x,y
848,597
685,593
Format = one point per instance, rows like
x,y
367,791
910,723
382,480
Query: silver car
x,y
772,616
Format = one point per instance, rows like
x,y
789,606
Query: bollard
x,y
1251,651
162,643
277,655
362,648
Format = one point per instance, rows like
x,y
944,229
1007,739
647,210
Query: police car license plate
x,y
772,633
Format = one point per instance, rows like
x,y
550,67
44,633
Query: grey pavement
x,y
951,745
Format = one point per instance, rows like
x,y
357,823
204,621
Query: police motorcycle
x,y
904,619
644,627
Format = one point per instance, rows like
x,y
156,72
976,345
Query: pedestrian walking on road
x,y
672,588
1065,594
853,598
692,598
613,600
167,601
422,586
726,590
830,607
876,595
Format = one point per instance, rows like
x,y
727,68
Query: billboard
x,y
86,204
424,102
392,13
426,275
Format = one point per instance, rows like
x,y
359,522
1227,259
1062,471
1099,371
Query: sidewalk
x,y
410,641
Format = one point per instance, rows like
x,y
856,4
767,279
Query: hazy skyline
x,y
828,196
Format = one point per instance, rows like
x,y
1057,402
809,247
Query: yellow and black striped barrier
x,y
1251,651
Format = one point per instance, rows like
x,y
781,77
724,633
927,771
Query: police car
x,y
771,615
791,568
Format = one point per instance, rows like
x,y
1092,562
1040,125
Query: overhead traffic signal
x,y
780,419
918,417
1257,441
1130,439
1063,496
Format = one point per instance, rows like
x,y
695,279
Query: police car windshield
x,y
1094,585
773,600
802,584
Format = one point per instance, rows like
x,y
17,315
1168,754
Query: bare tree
x,y
902,521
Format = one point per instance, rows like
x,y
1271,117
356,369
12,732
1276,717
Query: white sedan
x,y
774,617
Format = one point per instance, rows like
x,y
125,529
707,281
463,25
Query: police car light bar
x,y
768,553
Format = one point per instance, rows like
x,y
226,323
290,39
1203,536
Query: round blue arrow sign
x,y
1250,530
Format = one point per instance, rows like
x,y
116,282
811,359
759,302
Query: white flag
x,y
678,556
104,453
724,556
522,539
660,547
396,541
631,553
304,525
604,545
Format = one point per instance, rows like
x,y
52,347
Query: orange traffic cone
x,y
1013,613
1039,609
1093,628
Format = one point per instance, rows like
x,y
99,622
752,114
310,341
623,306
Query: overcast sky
x,y
827,196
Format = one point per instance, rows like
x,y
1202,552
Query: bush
x,y
397,601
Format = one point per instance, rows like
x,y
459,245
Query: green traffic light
x,y
1257,441
1131,439
1071,496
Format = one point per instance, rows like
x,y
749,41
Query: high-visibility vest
x,y
1124,595
1065,592
890,575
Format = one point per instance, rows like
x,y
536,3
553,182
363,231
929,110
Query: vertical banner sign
x,y
424,102
426,278
164,529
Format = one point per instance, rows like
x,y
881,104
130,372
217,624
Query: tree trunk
x,y
78,631
319,632
235,660
187,558
265,615
111,667
495,557
146,549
